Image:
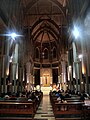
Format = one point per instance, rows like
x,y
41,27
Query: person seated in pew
x,y
60,96
6,97
22,97
1,96
54,93
82,98
13,97
78,93
57,94
67,95
29,96
86,95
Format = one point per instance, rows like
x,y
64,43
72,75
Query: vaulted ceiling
x,y
59,11
48,20
45,18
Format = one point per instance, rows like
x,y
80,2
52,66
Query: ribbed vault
x,y
45,30
47,21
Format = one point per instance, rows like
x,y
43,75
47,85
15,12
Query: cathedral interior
x,y
44,42
44,59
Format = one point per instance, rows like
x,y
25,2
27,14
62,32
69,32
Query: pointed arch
x,y
46,53
37,53
54,52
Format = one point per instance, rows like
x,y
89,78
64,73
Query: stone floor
x,y
45,111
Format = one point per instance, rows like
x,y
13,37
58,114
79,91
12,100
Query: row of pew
x,y
70,108
19,109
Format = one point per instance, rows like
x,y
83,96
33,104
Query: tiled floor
x,y
45,111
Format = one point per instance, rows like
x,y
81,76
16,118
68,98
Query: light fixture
x,y
80,56
69,68
76,32
81,82
13,35
11,59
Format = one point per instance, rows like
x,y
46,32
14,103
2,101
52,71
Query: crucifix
x,y
46,79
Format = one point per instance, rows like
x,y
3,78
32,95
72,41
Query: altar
x,y
46,90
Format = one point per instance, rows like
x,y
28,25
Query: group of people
x,y
22,96
61,94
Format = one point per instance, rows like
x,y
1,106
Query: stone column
x,y
30,81
63,74
75,65
3,75
14,67
87,80
77,75
79,70
20,78
59,74
33,81
70,77
13,72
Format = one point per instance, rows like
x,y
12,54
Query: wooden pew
x,y
54,100
70,109
73,98
86,111
25,109
76,100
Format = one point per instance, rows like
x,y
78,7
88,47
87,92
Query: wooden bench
x,y
73,98
67,100
76,100
19,109
68,110
86,111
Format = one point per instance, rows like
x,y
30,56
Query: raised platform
x,y
46,90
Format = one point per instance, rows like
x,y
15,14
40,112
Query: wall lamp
x,y
12,35
76,32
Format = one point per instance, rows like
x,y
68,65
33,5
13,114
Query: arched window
x,y
37,53
45,53
54,53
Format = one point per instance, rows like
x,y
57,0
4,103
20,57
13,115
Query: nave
x,y
44,44
45,111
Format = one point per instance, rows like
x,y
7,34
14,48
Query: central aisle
x,y
45,111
